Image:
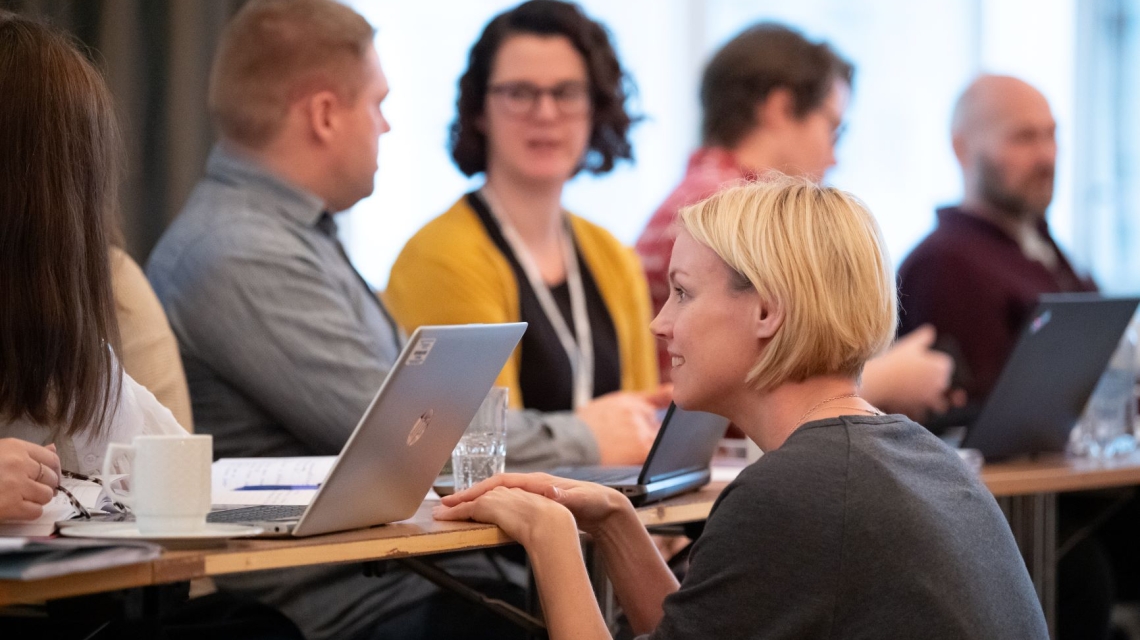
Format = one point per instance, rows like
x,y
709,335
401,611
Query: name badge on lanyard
x,y
578,344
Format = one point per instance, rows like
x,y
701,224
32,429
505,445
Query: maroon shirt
x,y
971,281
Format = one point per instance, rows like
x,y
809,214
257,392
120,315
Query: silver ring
x,y
41,472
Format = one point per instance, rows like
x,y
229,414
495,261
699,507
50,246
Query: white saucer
x,y
130,531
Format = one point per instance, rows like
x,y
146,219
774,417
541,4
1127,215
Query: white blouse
x,y
137,413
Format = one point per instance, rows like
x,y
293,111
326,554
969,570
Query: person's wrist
x,y
554,527
620,514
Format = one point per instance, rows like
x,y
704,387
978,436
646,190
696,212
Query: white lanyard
x,y
579,345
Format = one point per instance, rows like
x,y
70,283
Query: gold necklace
x,y
820,404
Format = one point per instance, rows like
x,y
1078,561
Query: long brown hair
x,y
59,160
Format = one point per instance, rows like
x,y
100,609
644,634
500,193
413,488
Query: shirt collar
x,y
719,162
292,201
957,216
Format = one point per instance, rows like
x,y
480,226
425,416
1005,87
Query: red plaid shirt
x,y
709,170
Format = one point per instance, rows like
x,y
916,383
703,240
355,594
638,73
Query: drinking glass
x,y
482,451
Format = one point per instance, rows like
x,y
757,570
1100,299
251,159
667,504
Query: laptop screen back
x,y
686,442
1048,378
408,432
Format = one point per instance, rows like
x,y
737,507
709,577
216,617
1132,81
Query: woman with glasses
x,y
854,524
63,395
542,99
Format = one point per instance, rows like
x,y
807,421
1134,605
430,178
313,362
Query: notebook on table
x,y
405,436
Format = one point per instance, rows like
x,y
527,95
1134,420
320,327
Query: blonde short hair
x,y
275,52
817,253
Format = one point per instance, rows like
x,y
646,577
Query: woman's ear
x,y
769,316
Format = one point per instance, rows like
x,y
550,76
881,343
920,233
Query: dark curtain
x,y
155,55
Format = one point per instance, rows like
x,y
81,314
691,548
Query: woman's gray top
x,y
857,527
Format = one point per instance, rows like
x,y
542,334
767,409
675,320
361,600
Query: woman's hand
x,y
911,377
624,424
29,475
526,517
591,504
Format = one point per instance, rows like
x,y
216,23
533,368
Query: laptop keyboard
x,y
258,513
601,475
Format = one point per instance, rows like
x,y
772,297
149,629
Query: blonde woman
x,y
855,523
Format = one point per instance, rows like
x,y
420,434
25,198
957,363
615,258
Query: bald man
x,y
979,274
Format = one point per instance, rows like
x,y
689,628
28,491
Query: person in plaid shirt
x,y
773,101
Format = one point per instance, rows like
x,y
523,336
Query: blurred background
x,y
912,59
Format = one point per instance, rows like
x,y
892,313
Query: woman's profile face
x,y
538,113
709,328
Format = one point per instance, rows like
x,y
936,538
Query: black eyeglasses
x,y
518,99
83,512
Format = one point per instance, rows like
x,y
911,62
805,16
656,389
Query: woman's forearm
x,y
568,602
640,576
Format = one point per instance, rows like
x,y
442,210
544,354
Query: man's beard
x,y
1013,202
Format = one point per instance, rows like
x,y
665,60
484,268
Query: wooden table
x,y
1026,491
417,536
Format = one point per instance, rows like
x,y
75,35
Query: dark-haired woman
x,y
63,395
543,98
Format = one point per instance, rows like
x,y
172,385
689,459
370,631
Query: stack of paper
x,y
269,480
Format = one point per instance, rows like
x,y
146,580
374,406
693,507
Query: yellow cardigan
x,y
451,272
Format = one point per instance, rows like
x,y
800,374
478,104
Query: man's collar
x,y
296,203
956,215
721,162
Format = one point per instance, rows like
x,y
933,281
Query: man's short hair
x,y
817,253
275,52
764,57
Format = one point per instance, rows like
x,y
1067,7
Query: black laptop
x,y
678,462
1045,384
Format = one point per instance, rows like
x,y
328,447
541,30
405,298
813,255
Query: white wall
x,y
912,59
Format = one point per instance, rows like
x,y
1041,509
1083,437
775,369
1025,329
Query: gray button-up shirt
x,y
284,346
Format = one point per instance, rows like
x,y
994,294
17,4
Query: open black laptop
x,y
1045,384
678,462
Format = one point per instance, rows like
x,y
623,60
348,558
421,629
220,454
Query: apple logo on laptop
x,y
420,427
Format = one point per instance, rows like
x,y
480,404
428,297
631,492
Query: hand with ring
x,y
29,475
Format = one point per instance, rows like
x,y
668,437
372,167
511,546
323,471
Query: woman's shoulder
x,y
604,252
591,232
786,487
454,240
457,227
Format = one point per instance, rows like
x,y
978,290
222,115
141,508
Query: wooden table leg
x,y
603,588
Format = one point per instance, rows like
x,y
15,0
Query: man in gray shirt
x,y
284,344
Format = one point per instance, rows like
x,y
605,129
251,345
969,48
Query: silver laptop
x,y
678,462
405,436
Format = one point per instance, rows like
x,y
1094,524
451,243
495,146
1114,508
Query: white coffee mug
x,y
169,480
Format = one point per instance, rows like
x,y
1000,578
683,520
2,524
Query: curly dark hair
x,y
761,58
610,86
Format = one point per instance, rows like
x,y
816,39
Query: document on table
x,y
725,473
287,480
88,493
